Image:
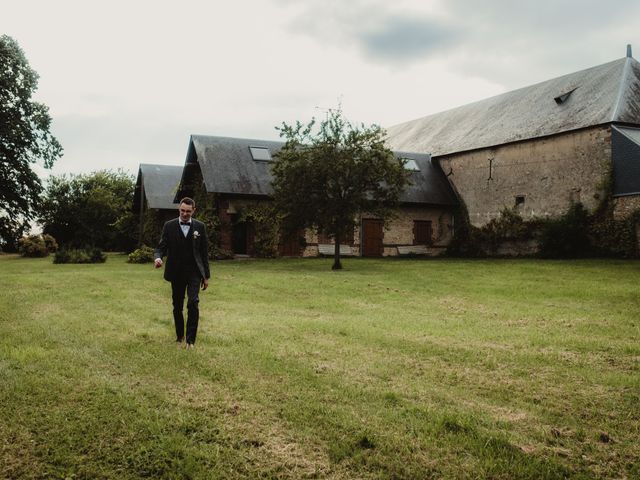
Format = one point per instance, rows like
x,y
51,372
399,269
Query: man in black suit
x,y
184,242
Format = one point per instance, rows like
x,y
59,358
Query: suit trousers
x,y
190,282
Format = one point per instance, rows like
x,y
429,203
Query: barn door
x,y
290,244
372,238
238,235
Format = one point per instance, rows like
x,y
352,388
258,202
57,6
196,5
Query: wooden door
x,y
290,245
372,236
238,236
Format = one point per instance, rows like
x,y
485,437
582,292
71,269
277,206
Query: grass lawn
x,y
388,369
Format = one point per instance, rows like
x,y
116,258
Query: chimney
x,y
629,51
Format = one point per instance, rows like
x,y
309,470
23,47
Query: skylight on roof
x,y
261,153
411,165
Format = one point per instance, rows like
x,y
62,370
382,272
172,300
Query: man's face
x,y
185,212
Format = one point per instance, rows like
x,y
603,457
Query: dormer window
x,y
560,99
410,165
261,154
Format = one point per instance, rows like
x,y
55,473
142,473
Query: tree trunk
x,y
336,254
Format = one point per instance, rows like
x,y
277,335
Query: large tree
x,y
328,173
24,139
90,210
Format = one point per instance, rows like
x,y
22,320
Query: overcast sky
x,y
127,82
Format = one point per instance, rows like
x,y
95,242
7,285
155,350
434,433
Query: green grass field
x,y
388,369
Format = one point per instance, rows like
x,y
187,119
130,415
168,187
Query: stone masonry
x,y
540,177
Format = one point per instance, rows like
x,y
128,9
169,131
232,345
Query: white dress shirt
x,y
185,228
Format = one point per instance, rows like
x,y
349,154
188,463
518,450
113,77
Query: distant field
x,y
388,369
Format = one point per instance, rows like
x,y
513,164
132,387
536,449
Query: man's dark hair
x,y
188,201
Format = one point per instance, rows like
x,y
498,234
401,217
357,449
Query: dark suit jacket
x,y
170,241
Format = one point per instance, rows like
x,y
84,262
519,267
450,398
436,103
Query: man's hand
x,y
205,283
158,263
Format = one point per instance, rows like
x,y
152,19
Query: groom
x,y
184,242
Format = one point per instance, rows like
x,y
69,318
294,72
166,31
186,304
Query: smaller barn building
x,y
154,199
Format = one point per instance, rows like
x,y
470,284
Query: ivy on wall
x,y
575,234
266,224
470,241
608,236
207,214
611,237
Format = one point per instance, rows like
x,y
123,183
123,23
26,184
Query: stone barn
x,y
153,200
541,148
232,175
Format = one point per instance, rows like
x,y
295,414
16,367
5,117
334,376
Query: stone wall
x,y
399,230
625,206
226,208
540,177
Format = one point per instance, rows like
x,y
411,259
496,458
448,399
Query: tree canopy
x,y
90,210
328,173
24,139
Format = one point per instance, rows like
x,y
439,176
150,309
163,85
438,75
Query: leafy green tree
x,y
24,139
90,210
326,174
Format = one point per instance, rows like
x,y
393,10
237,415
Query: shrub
x,y
80,255
144,254
50,242
33,246
221,254
509,226
575,234
611,237
567,236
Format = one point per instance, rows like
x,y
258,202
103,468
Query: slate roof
x,y
604,94
429,185
160,185
228,167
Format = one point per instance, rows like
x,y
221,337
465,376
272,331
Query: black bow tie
x,y
185,223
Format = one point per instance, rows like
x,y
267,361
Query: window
x,y
422,232
324,237
261,154
411,165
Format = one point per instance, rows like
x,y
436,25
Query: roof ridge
x,y
232,139
624,83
